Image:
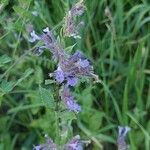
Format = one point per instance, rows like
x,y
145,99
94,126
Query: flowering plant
x,y
70,67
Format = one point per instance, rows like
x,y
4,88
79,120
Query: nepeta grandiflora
x,y
71,28
70,67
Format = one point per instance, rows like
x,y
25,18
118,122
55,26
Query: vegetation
x,y
115,38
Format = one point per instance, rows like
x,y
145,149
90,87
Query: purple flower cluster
x,y
70,67
68,72
49,42
70,28
68,99
74,144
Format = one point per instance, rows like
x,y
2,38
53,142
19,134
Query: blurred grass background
x,y
115,37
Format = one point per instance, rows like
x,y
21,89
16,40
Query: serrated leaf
x,y
6,86
4,59
46,97
39,75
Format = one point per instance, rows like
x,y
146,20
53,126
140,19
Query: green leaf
x,y
38,75
46,97
6,86
95,120
24,107
24,3
49,81
1,146
105,138
70,48
3,120
27,73
67,116
4,59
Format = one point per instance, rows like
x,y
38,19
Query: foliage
x,y
115,38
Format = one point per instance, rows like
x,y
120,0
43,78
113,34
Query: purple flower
x,y
74,144
73,67
72,105
68,99
72,81
78,9
84,63
49,145
70,27
37,147
59,75
123,130
121,143
49,42
34,37
70,67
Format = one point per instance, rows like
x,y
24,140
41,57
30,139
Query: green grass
x,y
119,49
